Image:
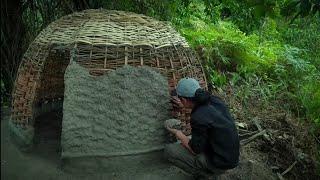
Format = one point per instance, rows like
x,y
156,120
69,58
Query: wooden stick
x,y
280,176
289,168
255,120
251,138
244,130
248,133
265,136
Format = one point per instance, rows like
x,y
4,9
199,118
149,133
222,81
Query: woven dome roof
x,y
102,41
105,27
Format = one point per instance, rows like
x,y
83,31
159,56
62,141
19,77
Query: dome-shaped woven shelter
x,y
103,41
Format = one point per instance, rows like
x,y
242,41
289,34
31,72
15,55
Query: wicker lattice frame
x,y
104,40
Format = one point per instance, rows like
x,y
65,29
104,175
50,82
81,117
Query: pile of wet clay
x,y
117,114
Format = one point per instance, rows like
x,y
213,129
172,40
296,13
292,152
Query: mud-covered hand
x,y
171,130
176,102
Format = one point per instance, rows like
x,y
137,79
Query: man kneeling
x,y
214,144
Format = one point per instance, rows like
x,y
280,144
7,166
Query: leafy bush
x,y
304,34
264,54
227,48
310,98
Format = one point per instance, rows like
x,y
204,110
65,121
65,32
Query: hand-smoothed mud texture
x,y
173,123
121,113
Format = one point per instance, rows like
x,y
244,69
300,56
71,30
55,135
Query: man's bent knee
x,y
170,151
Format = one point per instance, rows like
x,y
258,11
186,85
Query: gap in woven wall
x,y
48,107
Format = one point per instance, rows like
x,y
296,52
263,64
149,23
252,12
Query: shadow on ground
x,y
44,160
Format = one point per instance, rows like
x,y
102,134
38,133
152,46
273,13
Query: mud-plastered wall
x,y
120,113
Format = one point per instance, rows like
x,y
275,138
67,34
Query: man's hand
x,y
184,141
176,102
172,130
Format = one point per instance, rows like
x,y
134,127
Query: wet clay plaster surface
x,y
121,113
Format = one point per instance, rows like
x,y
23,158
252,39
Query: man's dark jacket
x,y
214,133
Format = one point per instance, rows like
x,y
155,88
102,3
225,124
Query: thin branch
x,y
248,140
280,176
248,133
289,168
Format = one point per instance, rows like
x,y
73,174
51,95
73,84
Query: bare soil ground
x,y
288,147
44,162
287,150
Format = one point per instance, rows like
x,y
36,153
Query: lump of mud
x,y
173,123
121,113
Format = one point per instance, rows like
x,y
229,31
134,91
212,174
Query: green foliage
x,y
246,14
305,35
302,81
303,8
188,14
310,98
267,55
227,48
217,79
155,8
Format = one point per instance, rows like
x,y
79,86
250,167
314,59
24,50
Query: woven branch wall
x,y
104,41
